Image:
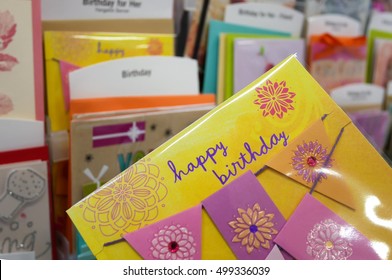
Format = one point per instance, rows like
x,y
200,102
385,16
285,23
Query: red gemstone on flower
x,y
311,161
173,246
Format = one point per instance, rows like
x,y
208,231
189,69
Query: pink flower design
x,y
7,29
274,99
253,228
173,242
324,242
308,161
7,62
6,104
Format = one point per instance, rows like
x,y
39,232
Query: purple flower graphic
x,y
325,242
274,99
309,159
253,228
173,242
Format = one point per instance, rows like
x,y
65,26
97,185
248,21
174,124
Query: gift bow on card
x,y
353,47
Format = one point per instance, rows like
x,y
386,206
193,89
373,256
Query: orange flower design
x,y
274,99
253,228
155,47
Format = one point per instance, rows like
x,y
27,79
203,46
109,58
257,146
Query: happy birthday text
x,y
213,154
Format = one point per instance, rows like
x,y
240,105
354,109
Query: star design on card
x,y
107,135
134,132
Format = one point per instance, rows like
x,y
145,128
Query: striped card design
x,y
108,135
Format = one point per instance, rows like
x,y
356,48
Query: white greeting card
x,y
136,76
106,9
21,75
334,24
19,134
266,15
24,209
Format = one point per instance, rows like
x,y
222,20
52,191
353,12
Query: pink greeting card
x,y
21,65
65,69
382,68
246,217
175,238
337,61
315,232
374,124
254,57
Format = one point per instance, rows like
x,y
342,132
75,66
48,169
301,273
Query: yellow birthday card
x,y
278,141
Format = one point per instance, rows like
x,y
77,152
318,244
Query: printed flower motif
x,y
308,161
155,47
125,197
324,242
7,62
128,202
274,99
6,104
7,29
173,242
253,228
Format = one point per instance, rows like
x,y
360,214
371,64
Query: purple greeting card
x,y
315,232
175,238
374,124
246,217
254,57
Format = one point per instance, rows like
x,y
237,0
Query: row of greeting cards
x,y
100,90
345,47
126,135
